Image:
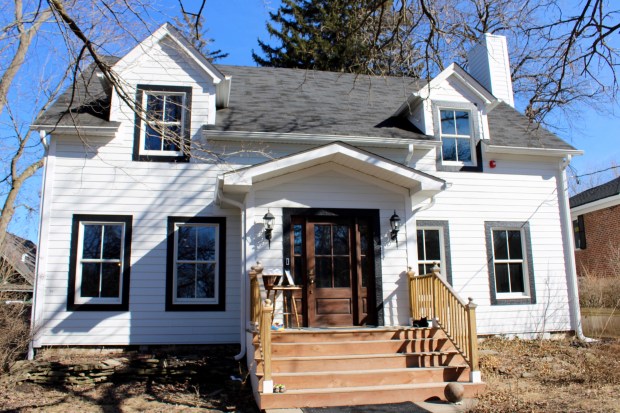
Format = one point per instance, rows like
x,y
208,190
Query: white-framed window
x,y
99,270
196,263
456,132
163,125
510,263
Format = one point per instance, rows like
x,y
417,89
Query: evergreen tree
x,y
336,35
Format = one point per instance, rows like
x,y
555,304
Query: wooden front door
x,y
333,260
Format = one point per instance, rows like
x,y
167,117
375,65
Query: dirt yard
x,y
550,376
522,376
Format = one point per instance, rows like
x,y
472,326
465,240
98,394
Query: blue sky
x,y
235,25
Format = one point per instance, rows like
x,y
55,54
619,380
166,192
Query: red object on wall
x,y
492,164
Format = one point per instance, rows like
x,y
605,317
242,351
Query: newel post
x,y
473,341
265,332
435,304
413,305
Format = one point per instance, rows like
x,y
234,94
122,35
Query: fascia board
x,y
595,206
518,150
76,130
310,139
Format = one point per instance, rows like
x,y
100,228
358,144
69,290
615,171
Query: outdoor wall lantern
x,y
268,221
395,224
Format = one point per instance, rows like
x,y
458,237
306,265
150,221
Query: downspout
x,y
37,266
241,206
569,248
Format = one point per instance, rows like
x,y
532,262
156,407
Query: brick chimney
x,y
488,63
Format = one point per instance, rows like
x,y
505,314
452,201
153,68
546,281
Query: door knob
x,y
311,276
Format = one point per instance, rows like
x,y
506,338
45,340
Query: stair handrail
x,y
432,297
261,313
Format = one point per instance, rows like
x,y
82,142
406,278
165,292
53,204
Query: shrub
x,y
14,332
599,292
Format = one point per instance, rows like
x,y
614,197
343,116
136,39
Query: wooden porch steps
x,y
333,367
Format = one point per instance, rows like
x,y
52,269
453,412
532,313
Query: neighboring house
x,y
146,239
17,264
596,224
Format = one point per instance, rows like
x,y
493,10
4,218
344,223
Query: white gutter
x,y
220,196
596,205
569,248
521,150
309,139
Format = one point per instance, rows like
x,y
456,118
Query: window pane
x,y
517,285
90,279
112,241
421,269
514,245
341,239
462,123
92,242
448,149
342,272
297,239
185,280
152,140
431,238
174,108
323,270
187,242
322,239
464,149
499,245
366,270
420,234
110,280
501,278
205,281
206,243
154,107
172,138
297,271
447,122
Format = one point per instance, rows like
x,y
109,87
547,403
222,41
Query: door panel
x,y
333,259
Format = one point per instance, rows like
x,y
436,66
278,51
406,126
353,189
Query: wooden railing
x,y
430,296
261,313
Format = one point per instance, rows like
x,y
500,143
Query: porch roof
x,y
240,181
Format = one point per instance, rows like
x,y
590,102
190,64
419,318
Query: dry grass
x,y
550,376
599,292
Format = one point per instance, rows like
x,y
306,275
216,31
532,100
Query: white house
x,y
146,239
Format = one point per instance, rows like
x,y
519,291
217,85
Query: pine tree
x,y
336,35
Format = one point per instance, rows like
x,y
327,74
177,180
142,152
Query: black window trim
x,y
73,255
581,245
489,226
221,293
476,145
445,227
137,156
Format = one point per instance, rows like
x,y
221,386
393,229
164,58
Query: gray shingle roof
x,y
508,127
264,99
85,103
603,191
267,99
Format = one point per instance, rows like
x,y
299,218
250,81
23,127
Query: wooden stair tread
x,y
412,386
369,371
365,356
338,343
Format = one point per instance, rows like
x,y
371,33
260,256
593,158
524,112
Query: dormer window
x,y
162,130
455,134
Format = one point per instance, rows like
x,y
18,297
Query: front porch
x,y
321,367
